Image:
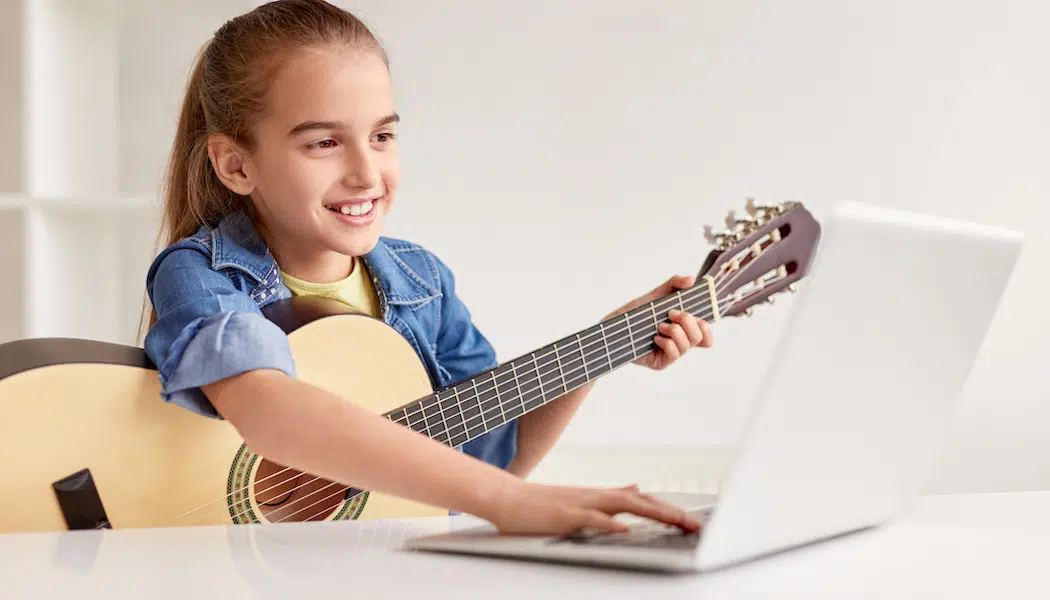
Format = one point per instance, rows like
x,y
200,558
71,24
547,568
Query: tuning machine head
x,y
740,225
765,212
720,240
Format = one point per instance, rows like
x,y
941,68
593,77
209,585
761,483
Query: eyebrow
x,y
313,125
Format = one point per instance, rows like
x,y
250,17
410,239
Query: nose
x,y
361,168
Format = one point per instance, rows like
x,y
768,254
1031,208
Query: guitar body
x,y
155,464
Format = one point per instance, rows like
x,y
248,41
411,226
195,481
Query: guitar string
x,y
592,360
332,495
421,411
327,486
483,415
693,291
344,488
679,296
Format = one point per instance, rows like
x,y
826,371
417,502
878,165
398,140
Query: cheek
x,y
391,177
292,181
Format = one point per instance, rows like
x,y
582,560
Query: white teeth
x,y
356,209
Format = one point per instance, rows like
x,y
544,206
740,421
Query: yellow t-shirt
x,y
356,291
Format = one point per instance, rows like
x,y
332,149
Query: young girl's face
x,y
324,166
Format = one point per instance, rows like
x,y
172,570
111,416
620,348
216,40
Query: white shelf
x,y
80,204
80,265
73,249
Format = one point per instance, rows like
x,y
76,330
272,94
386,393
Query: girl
x,y
283,168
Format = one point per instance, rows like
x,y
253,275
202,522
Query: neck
x,y
465,410
303,260
319,270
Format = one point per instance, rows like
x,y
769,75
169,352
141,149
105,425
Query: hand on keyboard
x,y
648,534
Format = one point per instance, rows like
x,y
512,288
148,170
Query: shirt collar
x,y
236,244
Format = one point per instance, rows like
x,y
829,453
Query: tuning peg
x,y
749,311
792,288
745,224
750,207
719,240
771,300
709,235
768,211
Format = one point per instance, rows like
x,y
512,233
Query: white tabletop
x,y
979,546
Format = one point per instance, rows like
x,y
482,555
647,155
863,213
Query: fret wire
x,y
477,399
493,404
436,432
499,401
605,343
618,333
426,421
561,371
543,394
459,405
447,432
586,373
517,384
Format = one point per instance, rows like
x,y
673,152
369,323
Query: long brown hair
x,y
226,93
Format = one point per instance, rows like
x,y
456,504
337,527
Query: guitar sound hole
x,y
288,496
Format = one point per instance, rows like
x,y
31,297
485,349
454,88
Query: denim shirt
x,y
208,291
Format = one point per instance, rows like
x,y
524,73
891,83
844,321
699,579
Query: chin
x,y
359,246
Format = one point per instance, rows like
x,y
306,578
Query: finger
x,y
680,282
660,510
677,334
668,346
706,337
690,324
676,282
649,507
596,519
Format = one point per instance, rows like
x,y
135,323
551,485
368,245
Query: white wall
x,y
563,156
12,40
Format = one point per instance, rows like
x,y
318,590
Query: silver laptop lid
x,y
880,342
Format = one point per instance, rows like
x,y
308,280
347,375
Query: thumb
x,y
676,282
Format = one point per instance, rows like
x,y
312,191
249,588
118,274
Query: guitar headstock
x,y
760,255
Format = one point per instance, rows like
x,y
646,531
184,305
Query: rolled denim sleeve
x,y
464,351
206,330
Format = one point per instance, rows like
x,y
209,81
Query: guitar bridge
x,y
80,503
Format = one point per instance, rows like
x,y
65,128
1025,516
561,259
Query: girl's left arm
x,y
540,429
520,446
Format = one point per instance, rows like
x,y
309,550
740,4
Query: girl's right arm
x,y
296,424
218,355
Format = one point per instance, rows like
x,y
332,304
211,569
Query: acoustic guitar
x,y
89,444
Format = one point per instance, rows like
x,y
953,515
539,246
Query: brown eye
x,y
324,144
384,137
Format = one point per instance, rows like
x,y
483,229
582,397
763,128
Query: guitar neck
x,y
470,408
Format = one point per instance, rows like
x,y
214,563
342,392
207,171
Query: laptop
x,y
864,380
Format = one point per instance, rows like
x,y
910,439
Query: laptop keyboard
x,y
648,534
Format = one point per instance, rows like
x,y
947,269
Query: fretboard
x,y
470,408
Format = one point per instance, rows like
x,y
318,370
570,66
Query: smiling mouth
x,y
355,209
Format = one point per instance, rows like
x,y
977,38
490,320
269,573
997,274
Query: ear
x,y
229,161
